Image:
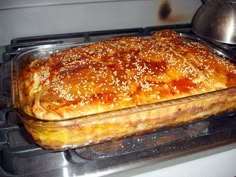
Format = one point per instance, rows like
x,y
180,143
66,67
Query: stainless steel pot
x,y
216,20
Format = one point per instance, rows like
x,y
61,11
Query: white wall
x,y
20,18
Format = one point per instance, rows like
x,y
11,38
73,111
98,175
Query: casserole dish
x,y
72,132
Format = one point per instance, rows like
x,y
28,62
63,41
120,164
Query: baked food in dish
x,y
120,87
121,73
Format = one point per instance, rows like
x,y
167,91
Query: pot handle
x,y
5,85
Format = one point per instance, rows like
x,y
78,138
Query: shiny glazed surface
x,y
121,73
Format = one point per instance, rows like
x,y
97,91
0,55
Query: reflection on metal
x,y
65,172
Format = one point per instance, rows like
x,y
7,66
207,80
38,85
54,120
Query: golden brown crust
x,y
121,73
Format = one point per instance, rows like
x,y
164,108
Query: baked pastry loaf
x,y
121,73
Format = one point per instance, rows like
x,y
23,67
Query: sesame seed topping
x,y
130,71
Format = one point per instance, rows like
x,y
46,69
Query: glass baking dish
x,y
87,130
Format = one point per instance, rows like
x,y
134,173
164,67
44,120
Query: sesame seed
x,y
131,70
